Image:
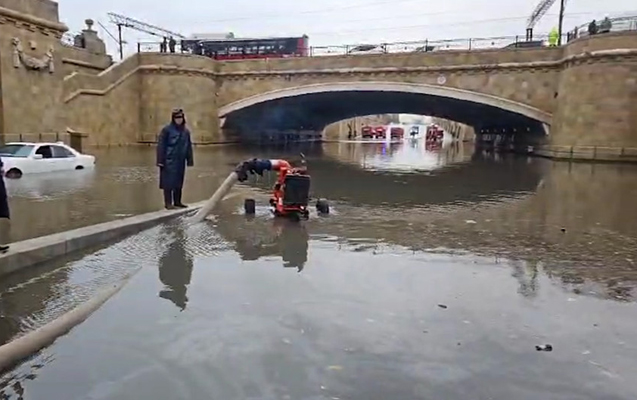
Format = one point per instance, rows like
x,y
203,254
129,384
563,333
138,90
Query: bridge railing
x,y
496,42
623,23
619,24
68,39
399,47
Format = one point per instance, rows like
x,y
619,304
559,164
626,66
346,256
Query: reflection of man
x,y
175,270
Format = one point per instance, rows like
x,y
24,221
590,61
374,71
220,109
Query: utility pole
x,y
120,41
561,22
126,22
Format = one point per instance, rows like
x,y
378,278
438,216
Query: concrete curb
x,y
46,248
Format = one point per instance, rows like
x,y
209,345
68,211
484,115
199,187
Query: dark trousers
x,y
172,197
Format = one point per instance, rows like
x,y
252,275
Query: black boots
x,y
4,234
172,199
177,199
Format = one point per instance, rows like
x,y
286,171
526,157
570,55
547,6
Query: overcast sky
x,y
330,22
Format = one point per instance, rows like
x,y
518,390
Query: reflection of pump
x,y
291,192
293,244
289,240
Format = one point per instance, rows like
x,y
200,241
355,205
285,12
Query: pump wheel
x,y
322,206
249,206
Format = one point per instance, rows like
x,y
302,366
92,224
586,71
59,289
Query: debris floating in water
x,y
544,347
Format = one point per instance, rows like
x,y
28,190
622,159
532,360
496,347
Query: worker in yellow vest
x,y
553,37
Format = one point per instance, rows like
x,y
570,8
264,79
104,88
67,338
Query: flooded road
x,y
435,282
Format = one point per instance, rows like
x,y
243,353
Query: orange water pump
x,y
291,192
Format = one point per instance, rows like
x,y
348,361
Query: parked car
x,y
21,158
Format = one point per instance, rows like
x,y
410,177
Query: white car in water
x,y
19,158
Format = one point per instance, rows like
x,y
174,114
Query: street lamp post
x,y
561,22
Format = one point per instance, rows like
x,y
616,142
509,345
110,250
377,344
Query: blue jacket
x,y
174,152
4,201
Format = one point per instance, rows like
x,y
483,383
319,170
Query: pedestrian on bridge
x,y
554,37
606,25
174,153
4,213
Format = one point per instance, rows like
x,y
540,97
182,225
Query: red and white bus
x,y
248,48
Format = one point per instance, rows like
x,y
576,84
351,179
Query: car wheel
x,y
14,173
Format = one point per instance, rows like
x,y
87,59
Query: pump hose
x,y
15,351
216,198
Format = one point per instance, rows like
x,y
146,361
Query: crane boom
x,y
539,11
537,14
127,22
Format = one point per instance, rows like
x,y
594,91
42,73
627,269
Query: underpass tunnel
x,y
296,116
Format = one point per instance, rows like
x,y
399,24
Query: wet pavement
x,y
429,284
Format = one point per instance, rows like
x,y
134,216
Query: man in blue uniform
x,y
174,153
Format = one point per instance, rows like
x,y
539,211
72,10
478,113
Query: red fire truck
x,y
434,134
367,132
396,132
379,132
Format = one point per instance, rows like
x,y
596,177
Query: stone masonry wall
x,y
532,86
75,59
104,107
597,102
31,102
173,81
41,90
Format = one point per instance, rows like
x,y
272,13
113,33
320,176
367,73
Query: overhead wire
x,y
435,25
312,12
341,32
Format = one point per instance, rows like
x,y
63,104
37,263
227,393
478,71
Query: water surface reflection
x,y
520,251
175,268
361,320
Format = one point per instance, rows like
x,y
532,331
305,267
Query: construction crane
x,y
537,15
126,22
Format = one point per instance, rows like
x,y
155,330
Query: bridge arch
x,y
438,91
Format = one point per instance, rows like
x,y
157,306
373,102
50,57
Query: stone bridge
x,y
579,96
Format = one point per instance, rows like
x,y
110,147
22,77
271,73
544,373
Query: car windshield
x,y
16,150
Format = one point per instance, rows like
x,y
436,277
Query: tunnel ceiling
x,y
316,110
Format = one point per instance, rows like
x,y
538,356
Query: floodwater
x,y
435,276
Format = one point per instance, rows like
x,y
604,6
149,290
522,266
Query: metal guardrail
x,y
401,47
496,42
624,23
619,24
51,137
68,39
593,153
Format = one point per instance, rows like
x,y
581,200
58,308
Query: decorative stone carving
x,y
30,62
